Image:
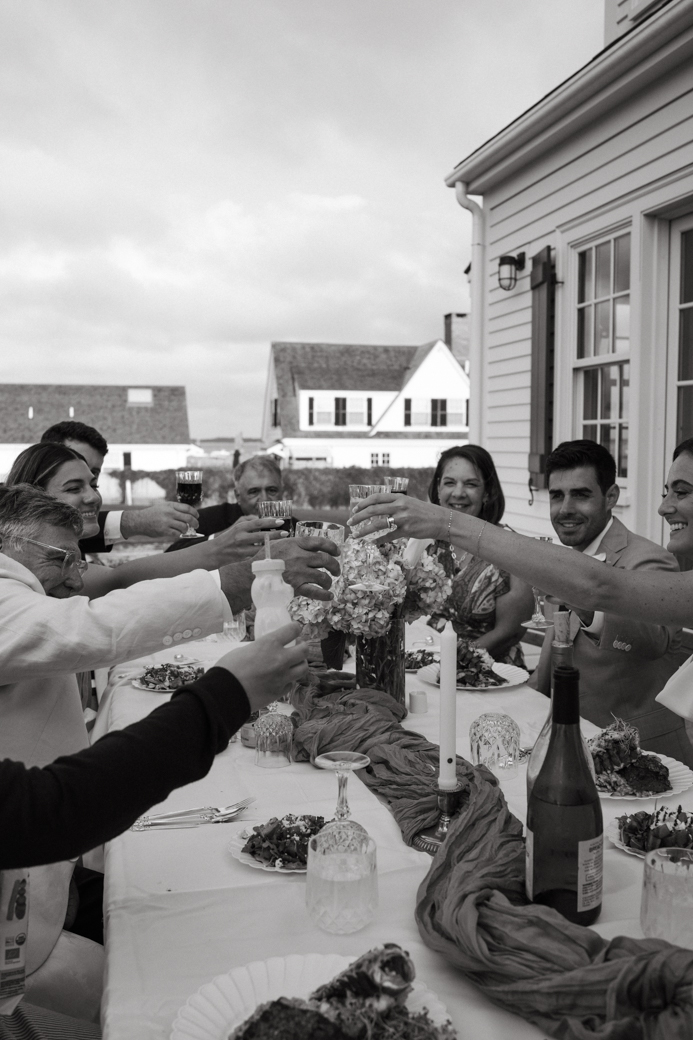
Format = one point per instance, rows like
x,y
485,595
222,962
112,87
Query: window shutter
x,y
369,411
407,411
543,285
310,411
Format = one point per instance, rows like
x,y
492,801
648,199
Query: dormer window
x,y
140,396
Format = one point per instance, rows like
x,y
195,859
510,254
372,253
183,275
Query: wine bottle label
x,y
590,868
529,864
14,898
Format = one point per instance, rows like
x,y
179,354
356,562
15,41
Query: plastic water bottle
x,y
271,596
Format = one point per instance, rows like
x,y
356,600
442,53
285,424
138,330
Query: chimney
x,y
457,336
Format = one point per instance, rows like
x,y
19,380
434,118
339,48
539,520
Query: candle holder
x,y
430,839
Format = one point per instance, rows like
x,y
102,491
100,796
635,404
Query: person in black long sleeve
x,y
81,800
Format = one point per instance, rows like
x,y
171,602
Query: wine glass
x,y
538,620
343,763
342,880
357,492
281,509
189,491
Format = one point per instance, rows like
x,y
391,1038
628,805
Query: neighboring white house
x,y
146,427
330,404
593,189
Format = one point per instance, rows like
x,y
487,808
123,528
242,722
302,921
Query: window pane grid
x,y
604,407
603,298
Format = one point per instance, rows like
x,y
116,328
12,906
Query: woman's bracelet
x,y
449,534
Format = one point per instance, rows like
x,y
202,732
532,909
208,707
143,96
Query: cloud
x,y
183,182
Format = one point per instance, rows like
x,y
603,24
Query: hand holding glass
x,y
189,491
280,509
377,527
538,620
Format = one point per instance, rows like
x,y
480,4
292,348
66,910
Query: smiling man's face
x,y
580,510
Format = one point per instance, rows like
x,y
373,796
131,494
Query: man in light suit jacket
x,y
623,664
48,633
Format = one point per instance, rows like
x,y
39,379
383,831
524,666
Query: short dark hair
x,y
37,464
684,446
493,508
75,431
25,509
571,454
266,462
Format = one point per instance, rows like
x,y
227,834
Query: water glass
x,y
320,529
666,910
341,880
397,485
495,743
273,740
377,526
281,510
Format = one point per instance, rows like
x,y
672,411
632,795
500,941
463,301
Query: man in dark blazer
x,y
258,479
623,664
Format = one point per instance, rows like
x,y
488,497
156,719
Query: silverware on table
x,y
192,817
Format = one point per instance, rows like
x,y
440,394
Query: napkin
x,y
677,695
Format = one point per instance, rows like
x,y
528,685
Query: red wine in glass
x,y
189,492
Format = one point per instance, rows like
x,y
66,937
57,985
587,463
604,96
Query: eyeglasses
x,y
70,557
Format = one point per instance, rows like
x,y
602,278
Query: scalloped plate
x,y
513,676
235,847
222,1004
612,833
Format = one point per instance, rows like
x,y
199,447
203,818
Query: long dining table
x,y
181,910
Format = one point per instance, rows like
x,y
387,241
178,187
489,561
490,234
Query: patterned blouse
x,y
476,585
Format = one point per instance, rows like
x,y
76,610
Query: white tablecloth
x,y
180,910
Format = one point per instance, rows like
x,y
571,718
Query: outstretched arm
x,y
656,596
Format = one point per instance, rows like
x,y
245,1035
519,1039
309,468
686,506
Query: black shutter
x,y
407,411
310,411
543,284
340,411
369,411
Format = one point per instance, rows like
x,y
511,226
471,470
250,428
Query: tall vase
x,y
380,661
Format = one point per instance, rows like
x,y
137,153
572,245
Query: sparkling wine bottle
x,y
565,837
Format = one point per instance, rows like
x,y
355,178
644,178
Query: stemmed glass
x,y
357,492
538,620
342,880
189,491
343,763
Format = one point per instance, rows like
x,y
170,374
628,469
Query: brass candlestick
x,y
430,839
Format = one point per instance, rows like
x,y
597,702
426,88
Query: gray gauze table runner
x,y
471,906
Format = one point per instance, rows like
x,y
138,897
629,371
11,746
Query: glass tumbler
x,y
273,740
666,910
495,743
280,510
342,879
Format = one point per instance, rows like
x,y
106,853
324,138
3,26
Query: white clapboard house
x,y
146,427
582,267
332,404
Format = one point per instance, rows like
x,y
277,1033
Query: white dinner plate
x,y
139,685
513,676
680,777
224,1003
235,847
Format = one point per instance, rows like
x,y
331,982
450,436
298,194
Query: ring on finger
x,y
391,523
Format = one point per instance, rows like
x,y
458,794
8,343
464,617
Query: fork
x,y
192,817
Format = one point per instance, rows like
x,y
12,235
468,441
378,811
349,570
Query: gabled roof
x,y
356,368
106,408
651,49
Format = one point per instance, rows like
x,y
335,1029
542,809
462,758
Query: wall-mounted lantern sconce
x,y
508,266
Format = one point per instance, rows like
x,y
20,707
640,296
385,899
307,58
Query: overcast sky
x,y
184,181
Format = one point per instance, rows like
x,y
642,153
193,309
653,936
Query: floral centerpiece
x,y
376,618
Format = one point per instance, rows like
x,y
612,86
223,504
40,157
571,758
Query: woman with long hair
x,y
487,605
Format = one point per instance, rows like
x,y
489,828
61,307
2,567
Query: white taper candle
x,y
448,708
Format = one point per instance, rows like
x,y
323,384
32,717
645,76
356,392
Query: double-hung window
x,y
602,363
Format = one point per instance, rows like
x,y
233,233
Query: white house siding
x,y
630,167
403,453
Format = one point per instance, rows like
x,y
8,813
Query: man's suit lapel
x,y
614,542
